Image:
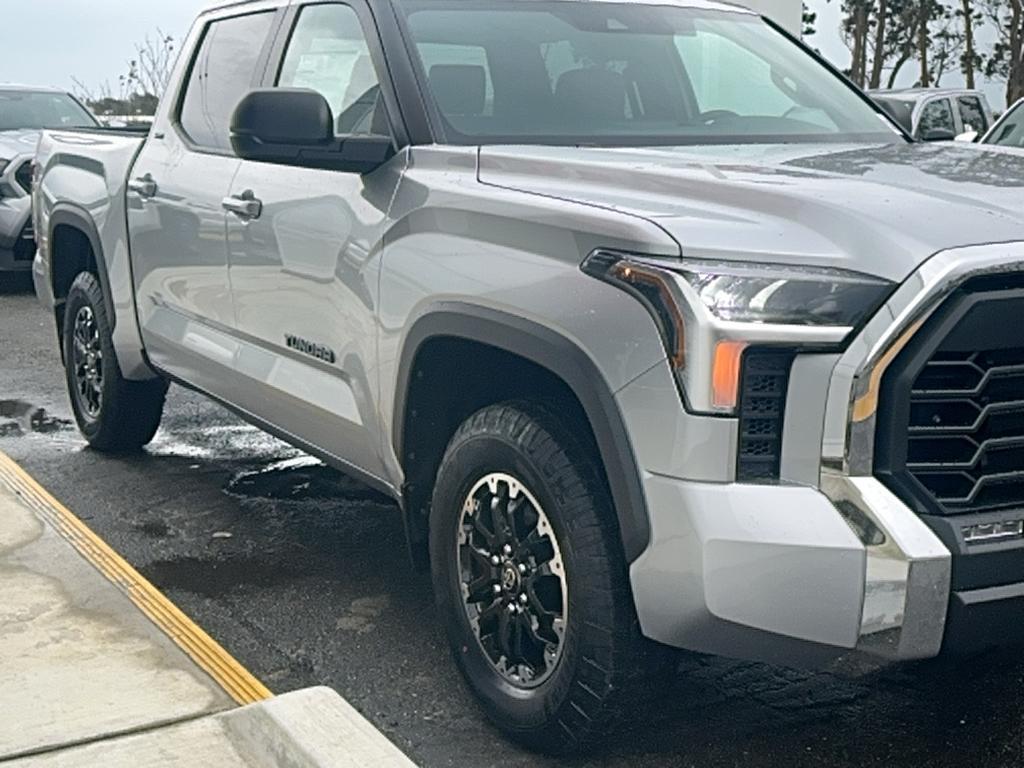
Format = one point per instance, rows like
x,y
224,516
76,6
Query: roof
x,y
916,93
30,88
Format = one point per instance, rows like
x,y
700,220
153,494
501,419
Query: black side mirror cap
x,y
295,126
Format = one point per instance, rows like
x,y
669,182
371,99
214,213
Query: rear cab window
x,y
226,67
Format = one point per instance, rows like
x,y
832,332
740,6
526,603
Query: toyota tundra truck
x,y
660,332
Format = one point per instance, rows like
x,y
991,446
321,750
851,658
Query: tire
x,y
569,693
115,415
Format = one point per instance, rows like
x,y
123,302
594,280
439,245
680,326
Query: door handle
x,y
144,186
244,206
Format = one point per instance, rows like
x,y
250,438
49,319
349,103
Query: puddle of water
x,y
302,478
19,418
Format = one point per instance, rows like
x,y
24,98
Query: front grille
x,y
763,389
951,429
24,176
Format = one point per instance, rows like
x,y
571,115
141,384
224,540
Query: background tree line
x,y
141,86
934,36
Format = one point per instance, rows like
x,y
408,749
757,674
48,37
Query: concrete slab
x,y
98,668
78,661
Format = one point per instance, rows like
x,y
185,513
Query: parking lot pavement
x,y
98,667
302,575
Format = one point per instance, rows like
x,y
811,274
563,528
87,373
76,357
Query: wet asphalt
x,y
302,575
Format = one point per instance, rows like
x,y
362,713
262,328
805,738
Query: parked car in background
x,y
24,113
1008,130
937,114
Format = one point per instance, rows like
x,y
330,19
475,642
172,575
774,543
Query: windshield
x,y
616,74
38,110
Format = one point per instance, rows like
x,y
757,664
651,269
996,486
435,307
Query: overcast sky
x,y
55,40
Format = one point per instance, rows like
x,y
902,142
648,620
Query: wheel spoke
x,y
480,589
539,547
505,634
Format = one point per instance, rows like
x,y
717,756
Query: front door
x,y
304,251
176,222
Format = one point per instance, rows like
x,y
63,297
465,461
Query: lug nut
x,y
497,589
522,568
507,549
523,598
495,560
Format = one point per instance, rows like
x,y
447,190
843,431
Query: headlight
x,y
755,293
709,313
5,189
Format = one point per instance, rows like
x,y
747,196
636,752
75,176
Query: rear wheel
x,y
531,581
113,413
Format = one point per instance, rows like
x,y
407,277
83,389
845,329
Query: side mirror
x,y
938,134
295,126
969,136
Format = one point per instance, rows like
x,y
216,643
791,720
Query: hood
x,y
21,142
880,209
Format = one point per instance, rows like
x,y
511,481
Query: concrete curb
x,y
311,728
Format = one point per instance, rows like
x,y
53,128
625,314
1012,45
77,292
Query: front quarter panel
x,y
456,241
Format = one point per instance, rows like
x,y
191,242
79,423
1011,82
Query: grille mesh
x,y
763,392
966,433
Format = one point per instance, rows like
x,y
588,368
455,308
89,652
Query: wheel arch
x,y
65,265
548,354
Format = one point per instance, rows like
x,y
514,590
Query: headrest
x,y
460,89
592,94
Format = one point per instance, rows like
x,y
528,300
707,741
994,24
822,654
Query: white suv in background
x,y
24,113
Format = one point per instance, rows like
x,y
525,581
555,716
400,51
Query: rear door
x,y
175,217
304,268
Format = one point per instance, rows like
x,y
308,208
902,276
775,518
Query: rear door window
x,y
972,115
224,70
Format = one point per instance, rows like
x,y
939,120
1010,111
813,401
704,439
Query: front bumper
x,y
830,560
777,573
17,244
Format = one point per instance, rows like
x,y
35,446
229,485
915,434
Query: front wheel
x,y
114,414
531,581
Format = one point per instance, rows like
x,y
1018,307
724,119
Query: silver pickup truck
x,y
661,333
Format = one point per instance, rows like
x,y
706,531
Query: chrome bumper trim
x,y
907,573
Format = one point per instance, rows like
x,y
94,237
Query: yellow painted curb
x,y
203,649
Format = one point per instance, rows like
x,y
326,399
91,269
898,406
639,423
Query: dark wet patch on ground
x,y
213,578
156,529
19,418
300,480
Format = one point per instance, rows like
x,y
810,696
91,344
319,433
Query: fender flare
x,y
566,360
67,214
